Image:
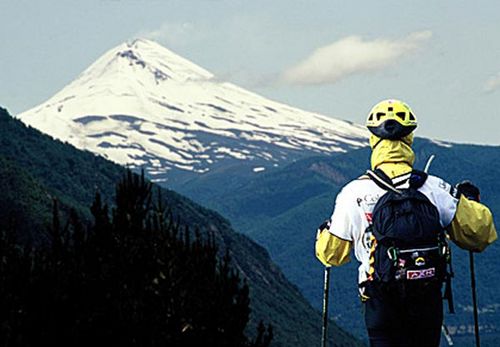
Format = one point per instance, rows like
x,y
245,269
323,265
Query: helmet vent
x,y
380,115
401,115
390,109
412,117
370,117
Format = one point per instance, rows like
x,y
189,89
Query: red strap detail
x,y
369,217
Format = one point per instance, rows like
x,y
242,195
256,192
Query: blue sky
x,y
337,58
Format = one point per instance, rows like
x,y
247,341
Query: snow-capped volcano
x,y
144,106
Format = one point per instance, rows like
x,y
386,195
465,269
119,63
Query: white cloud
x,y
352,55
492,84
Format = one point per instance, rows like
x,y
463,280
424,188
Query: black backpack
x,y
409,243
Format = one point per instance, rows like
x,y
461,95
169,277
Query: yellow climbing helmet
x,y
391,119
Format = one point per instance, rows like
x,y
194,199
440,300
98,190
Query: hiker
x,y
398,220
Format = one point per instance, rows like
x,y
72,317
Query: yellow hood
x,y
394,157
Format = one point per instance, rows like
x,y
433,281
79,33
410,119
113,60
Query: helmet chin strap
x,y
376,143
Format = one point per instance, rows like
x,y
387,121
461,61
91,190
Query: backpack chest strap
x,y
382,180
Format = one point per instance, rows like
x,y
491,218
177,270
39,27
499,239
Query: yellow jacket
x,y
472,227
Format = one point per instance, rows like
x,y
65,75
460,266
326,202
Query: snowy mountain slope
x,y
142,105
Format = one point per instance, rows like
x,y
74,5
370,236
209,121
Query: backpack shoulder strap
x,y
382,180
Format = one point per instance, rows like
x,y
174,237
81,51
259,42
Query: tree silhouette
x,y
134,277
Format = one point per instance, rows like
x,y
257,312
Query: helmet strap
x,y
376,143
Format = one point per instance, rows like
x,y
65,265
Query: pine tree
x,y
135,277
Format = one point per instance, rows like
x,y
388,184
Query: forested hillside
x,y
48,169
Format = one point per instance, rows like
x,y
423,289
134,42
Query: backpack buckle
x,y
392,254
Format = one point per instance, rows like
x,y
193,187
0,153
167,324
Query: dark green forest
x,y
133,277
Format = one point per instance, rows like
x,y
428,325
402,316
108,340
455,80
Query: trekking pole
x,y
429,162
471,192
474,298
326,288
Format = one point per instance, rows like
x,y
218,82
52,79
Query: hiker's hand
x,y
325,226
469,190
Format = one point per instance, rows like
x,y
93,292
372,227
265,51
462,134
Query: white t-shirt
x,y
354,207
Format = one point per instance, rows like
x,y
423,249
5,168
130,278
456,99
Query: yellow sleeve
x,y
331,250
472,228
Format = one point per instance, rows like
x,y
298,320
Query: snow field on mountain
x,y
142,105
